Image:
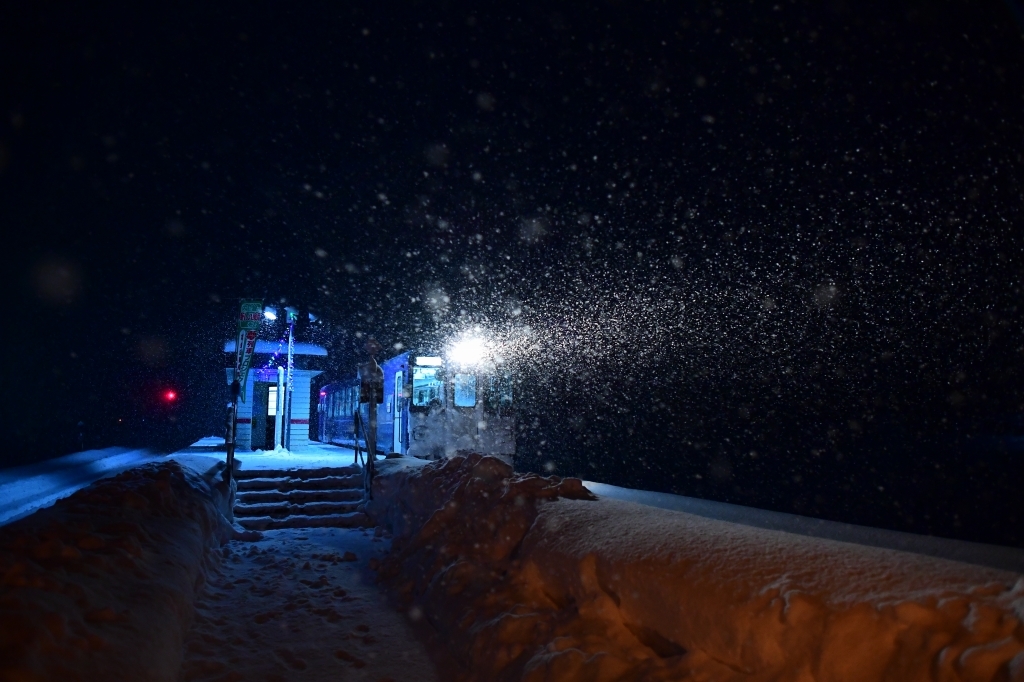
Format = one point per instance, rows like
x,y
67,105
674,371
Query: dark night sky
x,y
768,253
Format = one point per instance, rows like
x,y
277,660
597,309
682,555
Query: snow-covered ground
x,y
292,603
101,585
25,489
312,456
137,578
993,556
302,605
525,578
508,577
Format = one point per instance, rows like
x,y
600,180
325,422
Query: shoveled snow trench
x,y
141,577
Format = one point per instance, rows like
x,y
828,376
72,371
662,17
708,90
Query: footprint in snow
x,y
291,659
349,658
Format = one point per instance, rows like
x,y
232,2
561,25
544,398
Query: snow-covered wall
x,y
101,585
526,579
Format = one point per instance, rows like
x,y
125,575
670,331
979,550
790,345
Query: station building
x,y
257,410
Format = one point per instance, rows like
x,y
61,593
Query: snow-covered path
x,y
301,605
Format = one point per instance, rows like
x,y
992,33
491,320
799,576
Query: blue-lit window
x,y
426,386
465,390
499,392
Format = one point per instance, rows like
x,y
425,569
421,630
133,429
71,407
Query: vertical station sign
x,y
249,319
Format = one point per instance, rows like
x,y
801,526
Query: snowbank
x,y
527,578
994,556
101,585
27,488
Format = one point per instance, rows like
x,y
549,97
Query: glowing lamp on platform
x,y
270,313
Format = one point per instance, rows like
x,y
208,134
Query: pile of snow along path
x,y
102,585
531,578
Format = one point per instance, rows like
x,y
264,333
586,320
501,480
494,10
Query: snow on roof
x,y
281,347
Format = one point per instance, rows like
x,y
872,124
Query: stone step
x,y
288,484
299,496
279,510
319,472
353,520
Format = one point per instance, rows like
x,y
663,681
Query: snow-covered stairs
x,y
300,498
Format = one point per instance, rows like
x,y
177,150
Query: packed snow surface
x,y
530,578
302,605
310,456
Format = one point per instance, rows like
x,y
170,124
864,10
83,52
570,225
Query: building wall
x,y
301,399
300,407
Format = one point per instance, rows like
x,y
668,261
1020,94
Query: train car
x,y
433,407
335,412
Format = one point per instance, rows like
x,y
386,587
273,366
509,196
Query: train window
x,y
465,390
499,392
426,386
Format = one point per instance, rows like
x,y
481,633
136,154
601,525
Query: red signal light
x,y
170,396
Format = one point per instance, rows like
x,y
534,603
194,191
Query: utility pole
x,y
229,436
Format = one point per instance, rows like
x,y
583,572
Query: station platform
x,y
312,456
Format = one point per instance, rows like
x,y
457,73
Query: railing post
x,y
232,428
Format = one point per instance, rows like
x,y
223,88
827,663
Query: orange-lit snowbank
x,y
101,586
525,578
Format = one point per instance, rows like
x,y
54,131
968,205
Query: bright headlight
x,y
468,351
